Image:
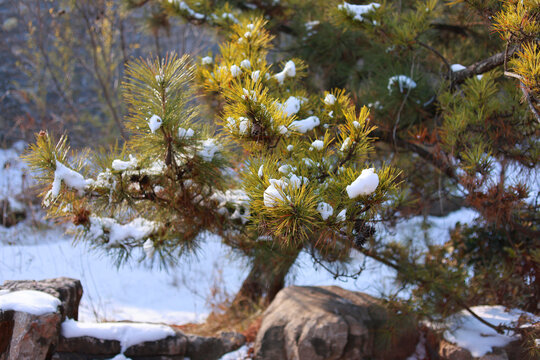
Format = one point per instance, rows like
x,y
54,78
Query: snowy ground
x,y
182,294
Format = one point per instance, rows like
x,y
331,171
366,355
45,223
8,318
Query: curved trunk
x,y
265,279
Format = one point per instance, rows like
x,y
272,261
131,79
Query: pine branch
x,y
483,66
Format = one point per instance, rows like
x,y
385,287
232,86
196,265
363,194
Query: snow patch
x,y
29,301
468,332
128,334
357,12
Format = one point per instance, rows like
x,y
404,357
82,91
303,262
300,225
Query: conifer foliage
x,y
305,182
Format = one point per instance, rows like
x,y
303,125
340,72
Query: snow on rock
x,y
128,334
29,301
364,184
318,144
185,7
183,133
305,125
71,179
357,12
291,106
136,229
330,100
207,60
326,210
154,123
403,82
235,70
289,70
239,354
209,148
466,331
120,165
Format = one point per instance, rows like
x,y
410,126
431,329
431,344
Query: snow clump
x,y
255,75
318,144
71,179
326,210
289,70
183,133
365,184
403,82
154,123
342,216
209,149
291,106
357,12
136,229
330,99
184,7
207,60
305,125
235,70
149,248
245,64
121,165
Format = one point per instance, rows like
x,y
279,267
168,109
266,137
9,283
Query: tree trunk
x,y
265,279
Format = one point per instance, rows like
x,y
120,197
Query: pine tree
x,y
455,131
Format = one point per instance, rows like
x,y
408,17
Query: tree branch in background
x,y
483,66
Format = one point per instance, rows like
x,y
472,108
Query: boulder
x,y
180,346
33,336
449,351
209,348
330,323
69,291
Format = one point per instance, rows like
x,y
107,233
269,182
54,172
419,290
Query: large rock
x,y
32,336
330,323
180,346
69,291
208,348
